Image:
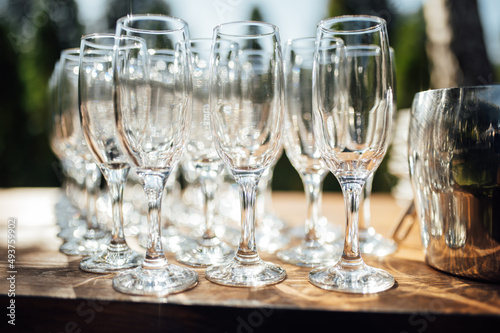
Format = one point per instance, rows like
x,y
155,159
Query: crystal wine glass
x,y
246,108
303,152
95,238
153,118
98,54
201,157
352,124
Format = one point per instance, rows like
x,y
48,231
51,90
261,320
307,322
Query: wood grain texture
x,y
54,295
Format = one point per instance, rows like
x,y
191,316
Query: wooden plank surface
x,y
52,293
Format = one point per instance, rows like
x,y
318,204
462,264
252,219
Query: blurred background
x,y
437,43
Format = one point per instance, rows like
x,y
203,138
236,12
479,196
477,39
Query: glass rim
x,y
458,88
183,25
300,45
95,36
201,41
72,53
291,44
291,41
86,39
274,29
380,23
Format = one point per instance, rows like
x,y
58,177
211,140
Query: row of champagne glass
x,y
138,92
132,78
182,218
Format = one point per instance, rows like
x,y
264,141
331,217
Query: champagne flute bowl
x,y
98,54
352,124
153,121
246,109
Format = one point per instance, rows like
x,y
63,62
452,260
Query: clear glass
x,y
153,121
201,157
67,215
304,154
98,54
246,109
94,238
352,124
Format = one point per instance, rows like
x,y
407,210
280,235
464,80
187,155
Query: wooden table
x,y
53,295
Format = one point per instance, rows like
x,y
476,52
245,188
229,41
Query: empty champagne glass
x,y
246,109
201,157
153,118
67,215
95,238
303,152
98,54
352,123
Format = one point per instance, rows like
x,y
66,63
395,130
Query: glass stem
x,y
92,181
268,192
154,184
169,188
365,216
313,191
351,255
116,179
209,188
247,250
264,201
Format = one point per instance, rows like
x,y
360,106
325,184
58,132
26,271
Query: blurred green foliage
x,y
33,32
407,37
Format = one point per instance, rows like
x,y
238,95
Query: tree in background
x,y
33,32
32,35
455,44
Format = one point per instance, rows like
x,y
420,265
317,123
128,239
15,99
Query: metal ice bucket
x,y
454,160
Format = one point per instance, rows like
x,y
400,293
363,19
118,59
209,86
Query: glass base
x,y
327,231
311,254
229,234
271,221
172,239
197,254
357,279
66,214
270,235
271,241
87,245
223,231
70,233
372,243
111,261
158,282
237,274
